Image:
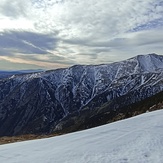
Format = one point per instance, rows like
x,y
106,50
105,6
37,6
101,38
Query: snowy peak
x,y
150,62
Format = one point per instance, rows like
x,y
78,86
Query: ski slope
x,y
135,140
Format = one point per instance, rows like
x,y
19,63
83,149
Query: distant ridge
x,y
6,74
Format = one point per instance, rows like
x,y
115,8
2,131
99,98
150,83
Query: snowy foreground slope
x,y
135,140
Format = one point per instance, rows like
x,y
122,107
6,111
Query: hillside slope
x,y
137,140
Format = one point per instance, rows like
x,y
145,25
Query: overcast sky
x,y
50,34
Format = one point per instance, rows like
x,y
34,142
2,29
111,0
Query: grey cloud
x,y
144,38
119,48
26,42
31,46
149,38
101,49
51,58
5,52
99,45
89,42
91,55
76,41
86,34
140,39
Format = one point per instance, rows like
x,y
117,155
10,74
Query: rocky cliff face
x,y
38,102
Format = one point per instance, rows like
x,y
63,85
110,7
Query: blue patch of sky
x,y
39,3
45,3
159,3
153,24
150,25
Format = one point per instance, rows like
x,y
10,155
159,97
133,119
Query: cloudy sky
x,y
50,34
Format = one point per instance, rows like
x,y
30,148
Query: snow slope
x,y
135,140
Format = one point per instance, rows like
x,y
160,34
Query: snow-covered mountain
x,y
135,140
40,102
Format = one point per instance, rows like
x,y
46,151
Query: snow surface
x,y
135,140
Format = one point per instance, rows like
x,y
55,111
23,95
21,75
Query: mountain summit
x,y
44,102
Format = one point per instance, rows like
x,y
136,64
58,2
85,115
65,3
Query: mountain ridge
x,y
43,99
